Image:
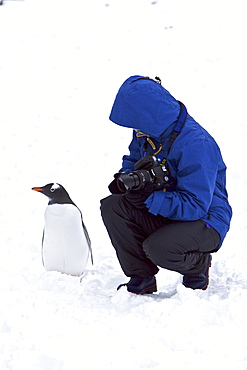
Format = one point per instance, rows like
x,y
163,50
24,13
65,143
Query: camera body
x,y
147,169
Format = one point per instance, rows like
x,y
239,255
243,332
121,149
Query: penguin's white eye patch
x,y
54,187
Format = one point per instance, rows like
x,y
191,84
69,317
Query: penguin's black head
x,y
56,193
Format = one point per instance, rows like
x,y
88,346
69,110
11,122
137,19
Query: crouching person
x,y
169,206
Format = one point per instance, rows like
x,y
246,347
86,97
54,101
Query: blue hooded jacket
x,y
194,161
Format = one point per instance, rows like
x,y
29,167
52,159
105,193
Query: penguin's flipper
x,y
88,240
87,236
42,256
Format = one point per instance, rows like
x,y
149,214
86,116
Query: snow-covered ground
x,y
61,64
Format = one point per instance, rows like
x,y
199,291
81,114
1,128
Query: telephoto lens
x,y
133,181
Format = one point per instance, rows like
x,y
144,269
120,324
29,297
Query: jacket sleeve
x,y
133,157
195,176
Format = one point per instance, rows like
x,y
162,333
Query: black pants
x,y
144,241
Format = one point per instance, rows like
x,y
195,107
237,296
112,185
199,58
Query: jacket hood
x,y
142,103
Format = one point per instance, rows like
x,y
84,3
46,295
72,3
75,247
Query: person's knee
x,y
106,205
105,202
110,205
149,249
159,253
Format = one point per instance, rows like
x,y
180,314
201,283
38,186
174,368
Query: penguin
x,y
66,245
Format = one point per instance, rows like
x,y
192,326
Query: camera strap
x,y
179,124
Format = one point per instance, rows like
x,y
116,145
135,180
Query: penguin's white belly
x,y
65,247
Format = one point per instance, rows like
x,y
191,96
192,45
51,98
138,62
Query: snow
x,y
61,64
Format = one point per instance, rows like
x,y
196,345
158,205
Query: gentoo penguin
x,y
66,245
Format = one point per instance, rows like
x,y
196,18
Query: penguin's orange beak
x,y
37,189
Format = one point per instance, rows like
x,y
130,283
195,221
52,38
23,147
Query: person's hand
x,y
138,197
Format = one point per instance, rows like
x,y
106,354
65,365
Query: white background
x,y
61,64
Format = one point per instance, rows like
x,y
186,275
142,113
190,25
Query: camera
x,y
147,170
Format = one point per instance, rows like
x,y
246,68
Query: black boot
x,y
199,281
141,286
